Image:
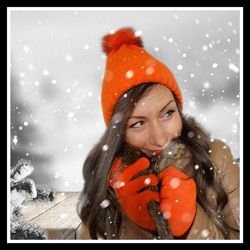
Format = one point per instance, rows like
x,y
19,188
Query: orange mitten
x,y
177,199
132,194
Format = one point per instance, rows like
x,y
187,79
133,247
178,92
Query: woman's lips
x,y
155,152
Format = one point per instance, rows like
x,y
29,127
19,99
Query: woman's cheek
x,y
136,138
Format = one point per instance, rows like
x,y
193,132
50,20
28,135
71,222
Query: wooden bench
x,y
59,218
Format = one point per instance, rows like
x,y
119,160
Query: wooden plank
x,y
33,209
62,220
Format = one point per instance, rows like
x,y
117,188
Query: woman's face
x,y
154,122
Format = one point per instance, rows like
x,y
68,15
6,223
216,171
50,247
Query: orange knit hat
x,y
128,65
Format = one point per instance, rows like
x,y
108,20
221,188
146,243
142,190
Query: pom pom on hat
x,y
122,36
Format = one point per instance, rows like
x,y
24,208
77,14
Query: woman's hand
x,y
134,194
177,199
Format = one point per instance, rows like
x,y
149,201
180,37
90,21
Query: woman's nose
x,y
158,136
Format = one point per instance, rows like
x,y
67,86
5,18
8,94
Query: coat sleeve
x,y
227,172
82,233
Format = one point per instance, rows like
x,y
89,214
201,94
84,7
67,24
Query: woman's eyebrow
x,y
143,117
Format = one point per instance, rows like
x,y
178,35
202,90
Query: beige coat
x,y
227,173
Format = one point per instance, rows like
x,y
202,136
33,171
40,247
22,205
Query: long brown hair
x,y
98,206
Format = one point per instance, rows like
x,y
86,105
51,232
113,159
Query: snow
x,y
105,147
204,233
138,33
26,48
68,57
233,67
179,67
147,181
15,140
170,40
70,115
117,118
196,167
30,67
167,215
174,183
206,85
25,123
86,46
190,134
150,70
214,65
105,203
129,74
45,72
204,47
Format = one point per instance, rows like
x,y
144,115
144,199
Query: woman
x,y
155,174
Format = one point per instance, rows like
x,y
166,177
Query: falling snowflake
x,y
15,140
196,167
70,115
129,74
105,147
179,67
204,233
174,183
86,46
138,33
190,134
214,65
68,58
167,214
30,67
117,118
233,67
45,72
26,48
105,203
170,40
206,85
119,184
25,123
147,181
150,70
197,21
204,47
57,174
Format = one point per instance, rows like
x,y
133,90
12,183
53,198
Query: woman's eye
x,y
169,113
137,124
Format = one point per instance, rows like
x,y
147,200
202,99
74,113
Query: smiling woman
x,y
155,121
157,171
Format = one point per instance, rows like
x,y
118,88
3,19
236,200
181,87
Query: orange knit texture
x,y
129,65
